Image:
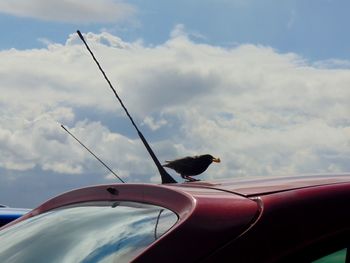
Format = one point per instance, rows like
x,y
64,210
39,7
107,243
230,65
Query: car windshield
x,y
86,232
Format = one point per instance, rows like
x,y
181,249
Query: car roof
x,y
257,186
223,215
301,211
245,187
214,213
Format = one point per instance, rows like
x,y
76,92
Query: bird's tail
x,y
166,164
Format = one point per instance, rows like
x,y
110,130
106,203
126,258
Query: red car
x,y
294,219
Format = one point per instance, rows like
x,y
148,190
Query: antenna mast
x,y
105,165
166,178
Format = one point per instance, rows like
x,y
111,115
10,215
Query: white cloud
x,y
70,11
154,124
261,112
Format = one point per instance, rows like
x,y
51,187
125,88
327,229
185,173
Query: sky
x,y
264,85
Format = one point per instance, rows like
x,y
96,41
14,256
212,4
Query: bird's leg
x,y
189,179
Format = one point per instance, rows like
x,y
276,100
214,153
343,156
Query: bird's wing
x,y
183,162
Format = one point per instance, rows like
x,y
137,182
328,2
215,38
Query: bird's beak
x,y
216,160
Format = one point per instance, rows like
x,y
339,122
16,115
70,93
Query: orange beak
x,y
216,160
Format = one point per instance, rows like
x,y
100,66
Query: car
x,y
8,214
278,219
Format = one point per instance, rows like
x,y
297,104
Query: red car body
x,y
293,219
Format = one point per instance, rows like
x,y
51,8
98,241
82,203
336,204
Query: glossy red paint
x,y
208,218
176,201
218,217
265,185
254,220
293,226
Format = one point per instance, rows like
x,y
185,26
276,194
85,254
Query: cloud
x,y
262,112
154,125
70,11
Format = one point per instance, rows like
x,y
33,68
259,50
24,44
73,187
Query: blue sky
x,y
315,29
261,84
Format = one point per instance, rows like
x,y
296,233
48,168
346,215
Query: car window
x,y
86,232
336,257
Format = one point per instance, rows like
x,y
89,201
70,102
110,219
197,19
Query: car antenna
x,y
102,162
166,178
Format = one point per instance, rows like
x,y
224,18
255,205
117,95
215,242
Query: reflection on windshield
x,y
88,232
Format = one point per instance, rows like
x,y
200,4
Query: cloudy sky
x,y
264,85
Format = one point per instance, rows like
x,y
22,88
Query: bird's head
x,y
210,158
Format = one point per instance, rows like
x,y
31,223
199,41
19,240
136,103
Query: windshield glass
x,y
86,232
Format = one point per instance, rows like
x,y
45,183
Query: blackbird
x,y
190,166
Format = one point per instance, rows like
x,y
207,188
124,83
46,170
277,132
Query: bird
x,y
191,166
